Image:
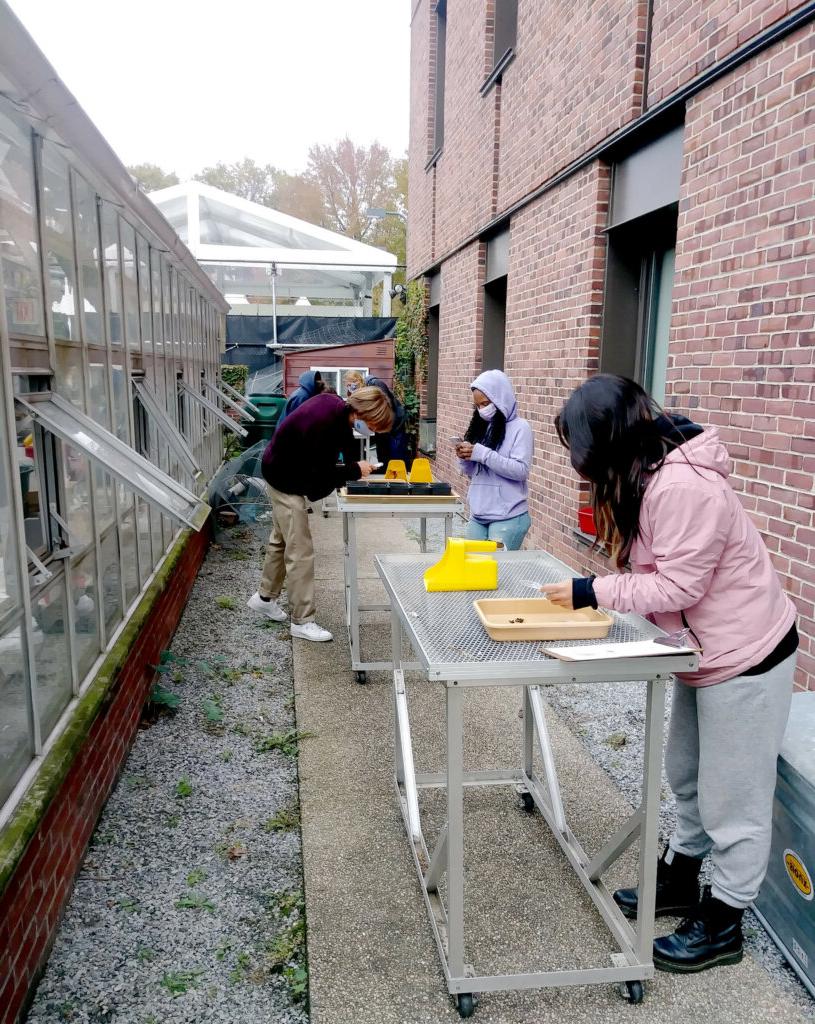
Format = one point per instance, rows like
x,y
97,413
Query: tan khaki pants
x,y
290,556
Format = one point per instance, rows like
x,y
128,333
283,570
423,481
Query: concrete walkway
x,y
372,957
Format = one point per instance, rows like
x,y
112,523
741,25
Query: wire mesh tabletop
x,y
446,633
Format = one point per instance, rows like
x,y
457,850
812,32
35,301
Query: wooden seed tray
x,y
535,618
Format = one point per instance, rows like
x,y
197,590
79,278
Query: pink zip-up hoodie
x,y
698,552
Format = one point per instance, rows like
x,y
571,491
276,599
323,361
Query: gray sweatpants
x,y
720,760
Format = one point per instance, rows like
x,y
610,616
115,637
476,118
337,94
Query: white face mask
x,y
486,412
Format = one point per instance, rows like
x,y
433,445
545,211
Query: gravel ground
x,y
611,723
189,904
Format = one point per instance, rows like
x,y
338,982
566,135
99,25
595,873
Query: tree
x,y
350,180
151,177
390,233
298,196
244,178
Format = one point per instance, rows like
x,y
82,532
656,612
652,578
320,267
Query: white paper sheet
x,y
597,652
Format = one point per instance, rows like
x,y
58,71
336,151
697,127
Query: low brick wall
x,y
45,841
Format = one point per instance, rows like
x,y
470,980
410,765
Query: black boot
x,y
677,888
710,937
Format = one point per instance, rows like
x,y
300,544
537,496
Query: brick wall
x,y
686,38
743,325
743,311
33,900
469,126
554,305
421,184
461,328
576,79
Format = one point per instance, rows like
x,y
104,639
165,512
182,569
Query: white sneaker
x,y
271,609
310,631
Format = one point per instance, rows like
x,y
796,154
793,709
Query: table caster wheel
x,y
361,677
527,803
633,991
465,1005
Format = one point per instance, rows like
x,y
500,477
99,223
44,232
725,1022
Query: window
x,y
427,424
505,31
52,656
90,266
184,389
495,324
113,272
495,302
637,312
130,285
334,376
640,263
35,461
16,742
437,80
62,419
16,739
239,408
19,247
58,233
147,404
145,307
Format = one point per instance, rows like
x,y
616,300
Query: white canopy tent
x,y
267,262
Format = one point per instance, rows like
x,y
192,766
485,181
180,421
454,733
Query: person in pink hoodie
x,y
664,507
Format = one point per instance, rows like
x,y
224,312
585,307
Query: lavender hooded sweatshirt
x,y
499,488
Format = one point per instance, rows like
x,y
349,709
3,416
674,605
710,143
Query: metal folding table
x,y
453,649
385,507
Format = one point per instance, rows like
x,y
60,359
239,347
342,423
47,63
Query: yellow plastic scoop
x,y
462,568
397,470
420,472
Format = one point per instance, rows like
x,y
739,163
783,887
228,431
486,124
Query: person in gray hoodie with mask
x,y
496,454
311,384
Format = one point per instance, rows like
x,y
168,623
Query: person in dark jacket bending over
x,y
311,384
392,444
299,463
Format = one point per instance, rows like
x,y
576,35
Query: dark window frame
x,y
634,254
505,41
440,12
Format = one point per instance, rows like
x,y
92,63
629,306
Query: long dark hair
x,y
609,425
490,433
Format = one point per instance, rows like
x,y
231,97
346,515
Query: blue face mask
x,y
486,412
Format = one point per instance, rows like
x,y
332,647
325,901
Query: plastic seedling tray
x,y
535,618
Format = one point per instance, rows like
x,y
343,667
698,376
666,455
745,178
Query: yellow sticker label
x,y
798,873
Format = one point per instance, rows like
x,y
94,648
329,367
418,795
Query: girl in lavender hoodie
x,y
496,454
663,505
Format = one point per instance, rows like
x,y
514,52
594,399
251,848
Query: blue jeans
x,y
510,531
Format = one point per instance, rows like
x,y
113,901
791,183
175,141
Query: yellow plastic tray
x,y
542,620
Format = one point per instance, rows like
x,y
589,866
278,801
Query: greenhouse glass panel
x,y
52,655
58,231
82,433
19,247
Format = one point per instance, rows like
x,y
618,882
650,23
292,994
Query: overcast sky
x,y
185,83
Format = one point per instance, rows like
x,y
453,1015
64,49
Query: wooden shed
x,y
372,357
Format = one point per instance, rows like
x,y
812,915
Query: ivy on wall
x,y
236,376
410,354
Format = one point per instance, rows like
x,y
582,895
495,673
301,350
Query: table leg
x,y
651,786
455,831
345,563
448,528
529,734
352,583
423,534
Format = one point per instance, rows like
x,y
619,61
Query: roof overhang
x,y
63,120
